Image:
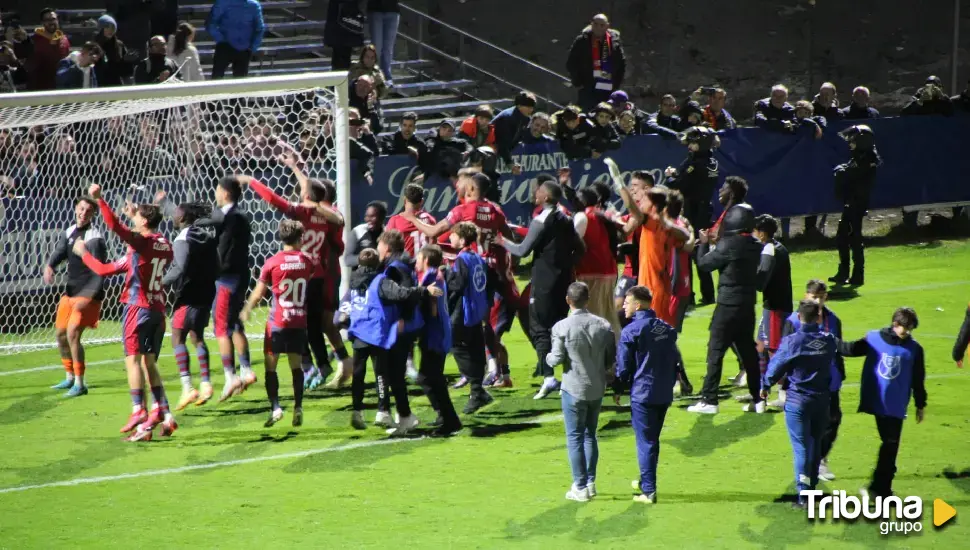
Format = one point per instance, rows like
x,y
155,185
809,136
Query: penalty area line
x,y
207,466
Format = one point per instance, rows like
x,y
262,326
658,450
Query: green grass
x,y
501,482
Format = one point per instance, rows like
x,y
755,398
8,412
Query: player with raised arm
x,y
318,219
287,274
491,222
143,322
193,282
80,305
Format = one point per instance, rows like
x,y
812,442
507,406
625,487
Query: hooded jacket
x,y
238,23
191,277
48,51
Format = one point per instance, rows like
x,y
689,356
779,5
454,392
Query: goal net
x,y
179,138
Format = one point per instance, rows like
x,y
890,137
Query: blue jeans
x,y
648,420
806,423
581,418
383,34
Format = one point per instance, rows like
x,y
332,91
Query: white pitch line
x,y
58,367
208,466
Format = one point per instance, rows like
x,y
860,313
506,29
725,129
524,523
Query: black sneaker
x,y
476,402
446,430
437,422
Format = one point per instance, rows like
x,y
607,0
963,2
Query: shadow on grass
x,y
959,480
495,430
563,519
29,407
705,438
791,527
359,458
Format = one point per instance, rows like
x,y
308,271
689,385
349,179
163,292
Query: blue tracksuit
x,y
806,357
238,23
646,362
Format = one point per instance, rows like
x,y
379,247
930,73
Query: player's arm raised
x,y
111,219
636,215
103,269
329,213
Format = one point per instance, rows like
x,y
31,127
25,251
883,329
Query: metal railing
x,y
549,86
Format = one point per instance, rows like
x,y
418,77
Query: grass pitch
x,y
223,481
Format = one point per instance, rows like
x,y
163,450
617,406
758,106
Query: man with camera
x,y
930,100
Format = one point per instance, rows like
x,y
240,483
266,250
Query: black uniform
x,y
736,259
853,183
191,277
696,179
81,281
555,248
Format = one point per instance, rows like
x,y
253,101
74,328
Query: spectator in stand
x,y
511,125
14,33
134,23
183,52
62,171
806,121
367,65
383,17
363,145
165,17
446,153
716,117
11,68
826,103
264,145
573,130
157,67
343,31
859,108
540,128
774,112
596,63
961,103
364,99
478,129
930,100
626,125
603,136
237,28
77,69
665,122
148,153
403,141
115,66
691,114
48,47
621,103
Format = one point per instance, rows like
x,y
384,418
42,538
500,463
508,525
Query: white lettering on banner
x,y
907,511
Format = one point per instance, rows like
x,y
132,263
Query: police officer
x,y
736,258
696,179
893,370
853,183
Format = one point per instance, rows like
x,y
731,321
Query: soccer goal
x,y
136,141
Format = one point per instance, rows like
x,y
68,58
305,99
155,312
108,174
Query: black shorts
x,y
285,340
191,318
505,301
316,290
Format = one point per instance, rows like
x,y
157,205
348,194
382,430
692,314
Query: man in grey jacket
x,y
586,347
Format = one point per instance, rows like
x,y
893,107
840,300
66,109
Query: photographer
x,y
853,183
930,100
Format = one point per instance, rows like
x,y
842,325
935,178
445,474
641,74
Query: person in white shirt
x,y
181,50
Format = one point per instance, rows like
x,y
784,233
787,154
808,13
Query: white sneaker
x,y
274,417
384,420
758,407
780,402
549,385
741,380
591,489
492,365
579,495
411,373
404,425
743,398
703,407
677,388
824,473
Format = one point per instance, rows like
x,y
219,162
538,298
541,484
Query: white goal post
x,y
175,137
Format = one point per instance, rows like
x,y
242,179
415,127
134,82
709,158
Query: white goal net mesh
x,y
50,154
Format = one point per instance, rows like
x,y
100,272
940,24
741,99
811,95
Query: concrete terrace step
x,y
270,41
185,10
268,66
283,24
284,49
402,102
430,86
447,108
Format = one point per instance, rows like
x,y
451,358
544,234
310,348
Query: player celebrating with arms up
x,y
143,323
80,306
287,274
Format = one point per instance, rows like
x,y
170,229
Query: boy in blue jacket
x,y
817,291
806,358
435,342
646,362
893,370
469,307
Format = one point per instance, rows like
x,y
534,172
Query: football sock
x,y
137,398
182,360
273,389
68,368
297,387
228,367
202,353
244,364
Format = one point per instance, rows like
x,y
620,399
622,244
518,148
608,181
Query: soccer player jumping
x,y
143,322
